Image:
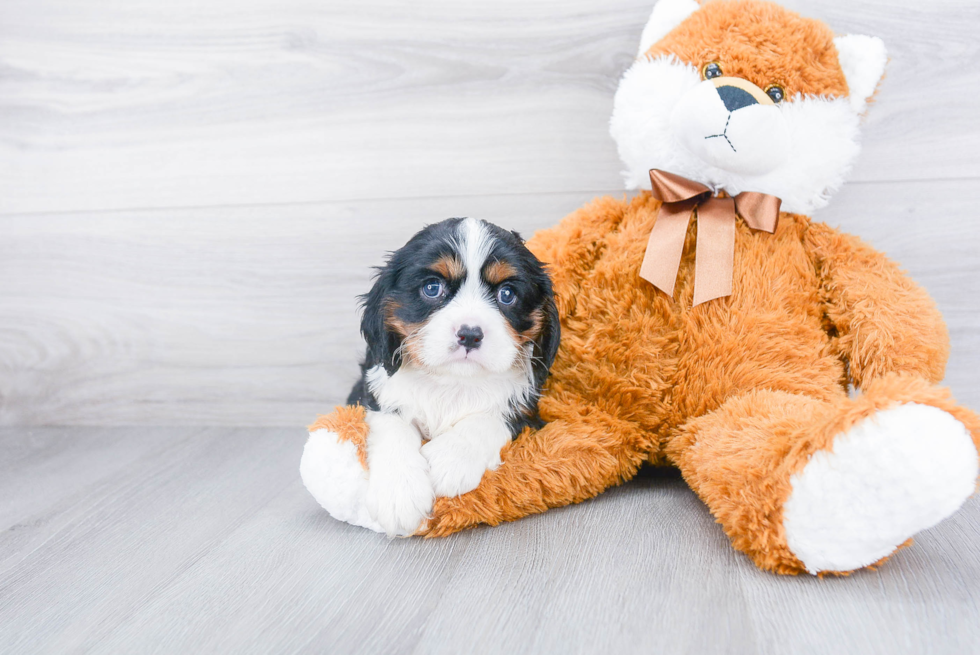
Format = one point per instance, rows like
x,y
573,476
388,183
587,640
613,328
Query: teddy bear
x,y
786,368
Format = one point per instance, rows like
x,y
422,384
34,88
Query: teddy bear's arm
x,y
569,460
880,319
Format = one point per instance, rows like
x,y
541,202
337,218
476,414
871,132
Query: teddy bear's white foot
x,y
890,476
332,472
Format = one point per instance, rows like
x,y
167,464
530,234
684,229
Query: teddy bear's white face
x,y
731,124
694,104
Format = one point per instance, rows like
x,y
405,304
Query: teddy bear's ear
x,y
667,14
863,60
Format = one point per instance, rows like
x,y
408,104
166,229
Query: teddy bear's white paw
x,y
399,493
455,467
332,472
890,476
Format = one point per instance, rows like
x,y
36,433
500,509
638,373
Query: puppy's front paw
x,y
454,467
399,499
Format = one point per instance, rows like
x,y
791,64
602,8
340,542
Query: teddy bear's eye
x,y
711,70
775,92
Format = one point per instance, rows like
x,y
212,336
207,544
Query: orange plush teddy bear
x,y
704,328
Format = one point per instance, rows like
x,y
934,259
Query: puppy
x,y
461,330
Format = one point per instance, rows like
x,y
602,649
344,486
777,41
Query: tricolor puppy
x,y
461,330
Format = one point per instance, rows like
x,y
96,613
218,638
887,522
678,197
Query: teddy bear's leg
x,y
805,484
334,466
569,460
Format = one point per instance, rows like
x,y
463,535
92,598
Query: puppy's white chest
x,y
436,403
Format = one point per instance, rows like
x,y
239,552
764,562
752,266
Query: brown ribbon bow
x,y
715,248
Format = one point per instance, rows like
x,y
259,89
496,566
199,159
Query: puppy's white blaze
x,y
476,245
821,133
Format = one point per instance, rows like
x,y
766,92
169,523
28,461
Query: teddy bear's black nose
x,y
735,98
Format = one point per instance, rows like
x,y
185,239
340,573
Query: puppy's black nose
x,y
469,337
735,98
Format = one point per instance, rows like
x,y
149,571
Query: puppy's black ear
x,y
382,343
546,345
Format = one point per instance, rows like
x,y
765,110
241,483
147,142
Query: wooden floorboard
x,y
212,545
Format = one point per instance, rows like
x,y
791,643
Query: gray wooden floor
x,y
192,193
189,540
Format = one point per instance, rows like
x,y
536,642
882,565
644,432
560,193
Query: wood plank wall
x,y
192,193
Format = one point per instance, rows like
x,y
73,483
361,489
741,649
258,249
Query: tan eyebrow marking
x,y
499,271
449,267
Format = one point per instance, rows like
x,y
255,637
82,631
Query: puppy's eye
x,y
711,70
506,295
433,289
775,92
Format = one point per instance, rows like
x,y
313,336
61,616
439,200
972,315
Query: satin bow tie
x,y
714,257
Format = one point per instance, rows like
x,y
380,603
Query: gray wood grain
x,y
192,195
120,105
247,315
205,541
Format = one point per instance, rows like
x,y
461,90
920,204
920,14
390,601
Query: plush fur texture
x,y
743,393
738,393
799,151
853,505
348,423
334,466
